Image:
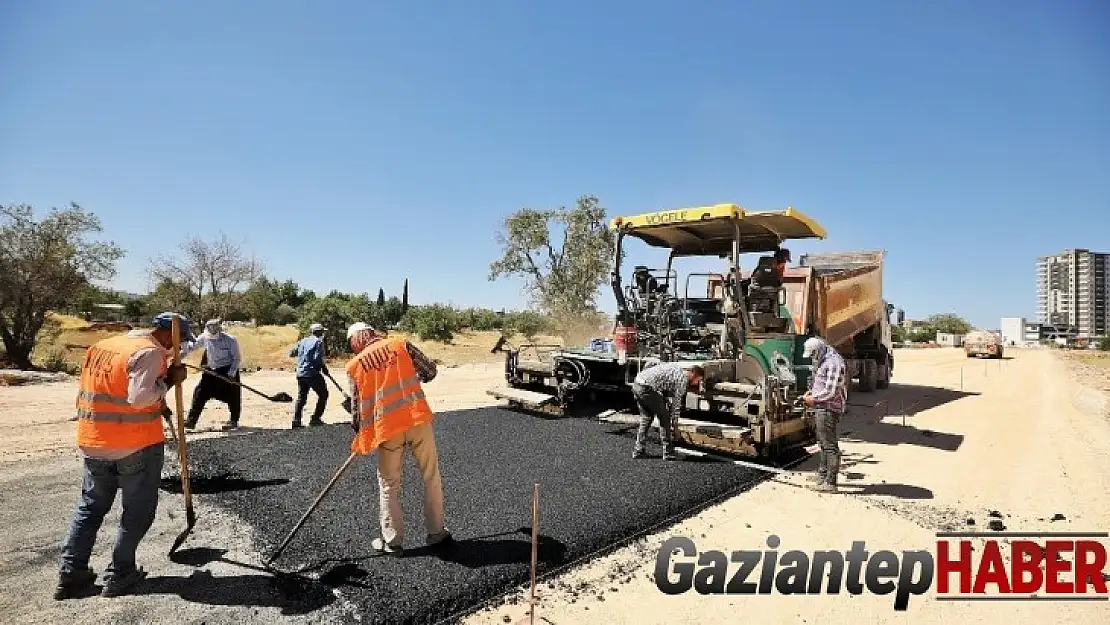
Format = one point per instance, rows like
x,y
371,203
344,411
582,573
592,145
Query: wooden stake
x,y
535,548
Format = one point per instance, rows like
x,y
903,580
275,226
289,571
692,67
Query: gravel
x,y
593,495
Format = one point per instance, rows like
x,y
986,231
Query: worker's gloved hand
x,y
166,412
175,375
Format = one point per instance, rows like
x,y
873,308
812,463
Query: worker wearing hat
x,y
389,414
222,357
311,365
827,397
124,381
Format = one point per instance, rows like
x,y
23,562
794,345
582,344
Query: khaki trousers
x,y
391,455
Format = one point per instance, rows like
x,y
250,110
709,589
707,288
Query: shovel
x,y
182,454
289,537
281,397
346,398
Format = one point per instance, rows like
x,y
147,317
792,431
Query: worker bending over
x,y
389,414
222,356
310,354
827,397
660,392
124,380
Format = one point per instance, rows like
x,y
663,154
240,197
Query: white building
x,y
950,340
1013,331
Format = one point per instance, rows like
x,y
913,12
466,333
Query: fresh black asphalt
x,y
592,495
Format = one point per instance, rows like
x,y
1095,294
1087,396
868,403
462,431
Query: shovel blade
x,y
190,522
282,397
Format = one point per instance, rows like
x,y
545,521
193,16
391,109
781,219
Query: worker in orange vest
x,y
391,413
124,380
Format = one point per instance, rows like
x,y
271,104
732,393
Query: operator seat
x,y
763,296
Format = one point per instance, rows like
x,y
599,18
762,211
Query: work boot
x,y
190,424
315,422
824,487
639,453
440,540
380,546
230,425
816,478
74,584
124,584
297,424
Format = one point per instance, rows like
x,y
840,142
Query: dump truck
x,y
746,328
980,343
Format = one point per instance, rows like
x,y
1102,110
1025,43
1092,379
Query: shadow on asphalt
x,y
205,485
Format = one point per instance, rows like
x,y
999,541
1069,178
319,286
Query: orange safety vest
x,y
105,418
390,400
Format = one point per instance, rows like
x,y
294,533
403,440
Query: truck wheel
x,y
884,377
868,376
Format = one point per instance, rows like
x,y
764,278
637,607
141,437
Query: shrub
x,y
1104,344
432,323
336,314
529,324
55,361
285,314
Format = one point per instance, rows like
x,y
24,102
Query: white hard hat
x,y
810,346
357,327
316,327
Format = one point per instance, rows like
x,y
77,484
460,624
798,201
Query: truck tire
x,y
868,376
884,376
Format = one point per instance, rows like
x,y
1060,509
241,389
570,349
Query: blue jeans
x,y
317,384
138,476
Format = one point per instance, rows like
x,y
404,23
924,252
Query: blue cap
x,y
165,321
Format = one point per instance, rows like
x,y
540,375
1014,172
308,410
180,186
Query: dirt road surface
x,y
1011,441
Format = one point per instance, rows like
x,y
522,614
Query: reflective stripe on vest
x,y
105,418
390,398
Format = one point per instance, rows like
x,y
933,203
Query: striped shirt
x,y
829,383
670,380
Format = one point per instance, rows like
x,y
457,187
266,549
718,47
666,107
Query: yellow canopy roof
x,y
709,230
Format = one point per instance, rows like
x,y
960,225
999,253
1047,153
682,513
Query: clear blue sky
x,y
354,144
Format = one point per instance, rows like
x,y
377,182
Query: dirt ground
x,y
978,436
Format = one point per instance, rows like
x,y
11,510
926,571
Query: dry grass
x,y
267,347
1090,368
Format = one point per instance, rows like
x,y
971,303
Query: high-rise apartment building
x,y
1073,289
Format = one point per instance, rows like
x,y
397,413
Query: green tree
x,y
1104,344
405,298
336,314
948,323
897,334
43,265
381,297
169,295
261,300
431,323
562,279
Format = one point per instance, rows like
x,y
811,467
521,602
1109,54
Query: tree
x,y
562,280
381,297
948,323
336,314
1104,344
174,296
213,269
897,334
261,301
405,298
43,265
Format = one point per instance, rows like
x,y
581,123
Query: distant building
x,y
950,340
899,316
1073,290
1013,331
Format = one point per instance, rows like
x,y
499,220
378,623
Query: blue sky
x,y
353,144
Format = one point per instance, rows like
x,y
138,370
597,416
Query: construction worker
x,y
828,397
311,366
124,380
389,414
222,356
660,392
